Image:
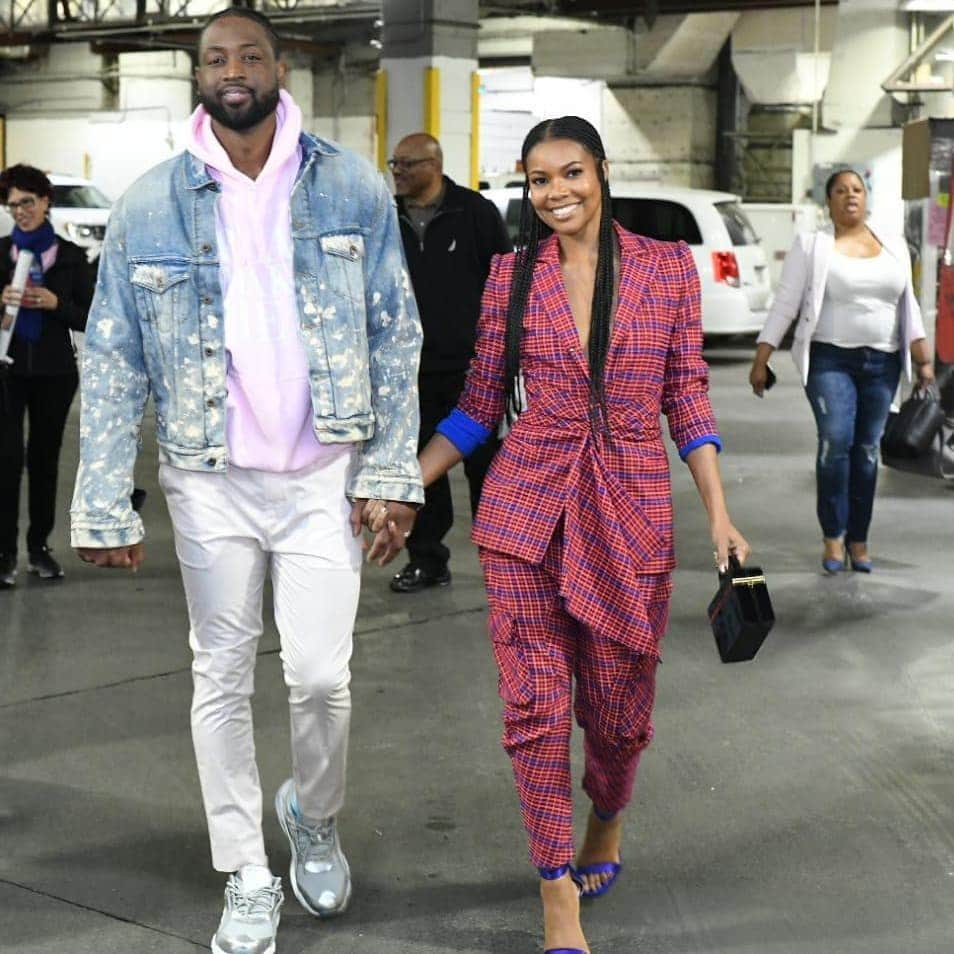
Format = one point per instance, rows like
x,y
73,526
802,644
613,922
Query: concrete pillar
x,y
428,80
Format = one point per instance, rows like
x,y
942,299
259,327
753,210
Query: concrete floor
x,y
799,804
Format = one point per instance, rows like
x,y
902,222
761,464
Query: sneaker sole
x,y
282,811
218,950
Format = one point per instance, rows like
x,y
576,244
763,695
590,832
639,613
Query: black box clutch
x,y
741,612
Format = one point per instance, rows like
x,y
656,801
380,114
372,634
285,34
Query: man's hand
x,y
116,558
391,522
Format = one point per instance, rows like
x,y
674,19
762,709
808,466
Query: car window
x,y
79,197
739,227
658,219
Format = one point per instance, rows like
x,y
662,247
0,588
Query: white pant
x,y
230,530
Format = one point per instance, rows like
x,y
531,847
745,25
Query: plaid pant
x,y
539,649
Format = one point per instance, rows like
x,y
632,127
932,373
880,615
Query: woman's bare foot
x,y
561,914
601,844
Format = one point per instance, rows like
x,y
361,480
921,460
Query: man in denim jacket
x,y
255,285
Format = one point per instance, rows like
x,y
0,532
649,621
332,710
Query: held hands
x,y
390,521
33,296
114,558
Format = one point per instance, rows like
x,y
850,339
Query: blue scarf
x,y
29,324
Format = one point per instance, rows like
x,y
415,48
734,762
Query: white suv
x,y
78,212
733,270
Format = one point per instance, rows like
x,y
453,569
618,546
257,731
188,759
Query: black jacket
x,y
72,279
448,270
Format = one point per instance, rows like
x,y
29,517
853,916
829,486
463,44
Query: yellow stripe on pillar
x,y
381,116
474,129
432,101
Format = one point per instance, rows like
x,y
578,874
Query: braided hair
x,y
531,232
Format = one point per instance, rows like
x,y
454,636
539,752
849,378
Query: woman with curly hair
x,y
40,382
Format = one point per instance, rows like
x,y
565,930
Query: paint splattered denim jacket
x,y
156,326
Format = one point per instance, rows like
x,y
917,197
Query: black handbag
x,y
910,431
741,612
937,461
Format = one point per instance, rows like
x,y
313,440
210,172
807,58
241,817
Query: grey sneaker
x,y
250,919
320,876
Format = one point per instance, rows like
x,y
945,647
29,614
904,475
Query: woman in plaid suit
x,y
575,523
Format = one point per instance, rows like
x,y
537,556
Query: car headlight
x,y
78,231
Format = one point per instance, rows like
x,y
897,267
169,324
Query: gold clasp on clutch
x,y
748,580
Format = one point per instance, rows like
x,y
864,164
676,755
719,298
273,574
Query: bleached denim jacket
x,y
156,325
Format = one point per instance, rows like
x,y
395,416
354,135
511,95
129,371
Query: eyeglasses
x,y
26,204
405,164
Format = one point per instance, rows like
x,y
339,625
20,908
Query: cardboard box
x,y
926,145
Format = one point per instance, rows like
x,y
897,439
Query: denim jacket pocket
x,y
344,264
160,289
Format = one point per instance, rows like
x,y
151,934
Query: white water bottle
x,y
20,274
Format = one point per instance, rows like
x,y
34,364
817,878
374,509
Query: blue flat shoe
x,y
612,868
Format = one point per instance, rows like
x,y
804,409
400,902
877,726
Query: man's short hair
x,y
248,14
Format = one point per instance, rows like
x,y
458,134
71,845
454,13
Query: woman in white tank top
x,y
859,326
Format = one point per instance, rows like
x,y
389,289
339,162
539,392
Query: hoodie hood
x,y
204,145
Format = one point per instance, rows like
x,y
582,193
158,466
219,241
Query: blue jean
x,y
850,390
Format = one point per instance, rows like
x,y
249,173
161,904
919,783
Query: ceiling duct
x,y
783,57
674,49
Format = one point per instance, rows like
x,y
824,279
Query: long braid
x,y
601,315
528,242
530,233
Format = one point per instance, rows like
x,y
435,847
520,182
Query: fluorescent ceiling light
x,y
928,6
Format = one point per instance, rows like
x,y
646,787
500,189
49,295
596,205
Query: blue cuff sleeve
x,y
463,432
684,452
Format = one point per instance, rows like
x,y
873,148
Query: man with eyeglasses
x,y
450,234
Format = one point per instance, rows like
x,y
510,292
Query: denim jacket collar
x,y
198,177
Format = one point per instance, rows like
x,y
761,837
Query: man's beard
x,y
240,120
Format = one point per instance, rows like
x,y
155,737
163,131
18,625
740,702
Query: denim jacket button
x,y
211,462
210,402
207,300
209,352
205,248
354,253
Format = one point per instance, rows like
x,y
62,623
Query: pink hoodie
x,y
268,423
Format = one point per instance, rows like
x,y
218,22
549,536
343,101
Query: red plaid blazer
x,y
612,492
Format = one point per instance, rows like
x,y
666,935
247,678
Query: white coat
x,y
801,290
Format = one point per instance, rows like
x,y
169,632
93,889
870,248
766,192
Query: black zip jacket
x,y
72,279
448,270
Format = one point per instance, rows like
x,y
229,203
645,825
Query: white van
x,y
733,270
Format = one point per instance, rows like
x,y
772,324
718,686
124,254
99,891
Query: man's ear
x,y
282,67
